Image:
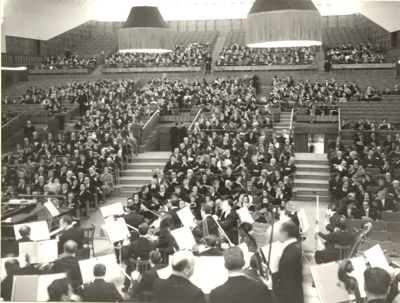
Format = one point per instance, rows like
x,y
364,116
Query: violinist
x,y
229,220
208,223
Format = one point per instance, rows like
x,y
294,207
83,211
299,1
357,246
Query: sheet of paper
x,y
244,215
304,223
376,257
39,230
116,230
165,272
25,288
186,217
112,209
43,282
113,270
358,273
206,280
52,209
276,254
41,251
184,237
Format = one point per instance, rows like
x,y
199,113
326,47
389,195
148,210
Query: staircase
x,y
284,122
140,171
218,46
312,177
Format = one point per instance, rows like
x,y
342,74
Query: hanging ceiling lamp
x,y
145,31
283,23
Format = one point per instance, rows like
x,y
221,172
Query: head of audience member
x,y
288,231
155,258
183,263
70,248
143,229
59,290
25,232
99,271
66,222
234,259
376,283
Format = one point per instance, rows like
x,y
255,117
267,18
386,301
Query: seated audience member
x,y
183,290
239,288
342,235
146,282
25,232
138,250
60,291
11,267
69,264
70,231
99,290
376,285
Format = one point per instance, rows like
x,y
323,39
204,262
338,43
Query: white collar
x,y
288,242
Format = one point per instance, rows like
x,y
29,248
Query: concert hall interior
x,y
215,151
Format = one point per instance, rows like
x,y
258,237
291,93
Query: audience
x,y
193,54
72,62
349,54
238,54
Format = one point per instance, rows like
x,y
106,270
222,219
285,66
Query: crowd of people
x,y
239,54
365,124
353,54
63,62
286,92
192,54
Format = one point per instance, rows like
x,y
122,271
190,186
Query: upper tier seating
x,y
336,36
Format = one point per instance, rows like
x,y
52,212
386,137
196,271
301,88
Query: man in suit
x,y
177,288
68,263
239,288
11,266
70,231
100,290
211,247
289,283
209,225
25,232
148,277
133,218
140,249
376,285
60,290
229,221
368,211
341,235
384,202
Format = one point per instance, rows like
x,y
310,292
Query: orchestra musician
x,y
229,221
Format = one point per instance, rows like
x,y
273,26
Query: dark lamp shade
x,y
283,23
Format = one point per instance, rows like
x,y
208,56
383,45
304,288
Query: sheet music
x,y
25,288
186,217
52,209
304,224
113,270
205,279
39,230
41,251
112,209
244,215
116,230
376,257
276,254
184,237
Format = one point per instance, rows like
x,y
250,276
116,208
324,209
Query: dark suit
x,y
101,291
175,219
289,286
372,213
75,233
177,289
70,266
212,252
388,205
6,287
134,219
147,281
229,225
241,289
330,253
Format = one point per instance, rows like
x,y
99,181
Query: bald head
x,y
183,263
70,247
25,231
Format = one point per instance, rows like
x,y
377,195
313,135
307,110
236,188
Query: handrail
x,y
195,118
291,123
340,120
151,118
12,120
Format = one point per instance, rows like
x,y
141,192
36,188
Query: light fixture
x,y
145,31
283,23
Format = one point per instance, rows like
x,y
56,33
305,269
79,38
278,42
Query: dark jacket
x,y
141,248
241,289
69,265
75,233
6,287
101,291
147,281
177,289
289,286
134,219
229,225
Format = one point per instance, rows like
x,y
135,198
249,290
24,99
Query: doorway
x,y
316,143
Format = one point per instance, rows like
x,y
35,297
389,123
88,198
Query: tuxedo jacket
x,y
101,291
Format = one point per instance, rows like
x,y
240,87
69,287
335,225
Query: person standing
x,y
174,136
289,282
208,63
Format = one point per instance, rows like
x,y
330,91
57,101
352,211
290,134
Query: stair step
x,y
302,190
311,198
312,167
312,162
138,172
134,180
146,165
312,175
311,182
